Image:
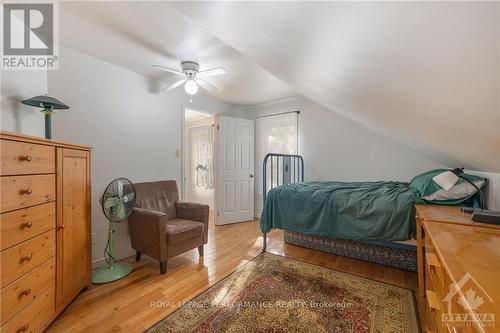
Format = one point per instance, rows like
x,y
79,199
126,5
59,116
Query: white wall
x,y
336,148
209,105
17,86
134,130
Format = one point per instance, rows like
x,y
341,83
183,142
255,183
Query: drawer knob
x,y
26,225
25,292
25,158
26,191
27,258
23,328
62,226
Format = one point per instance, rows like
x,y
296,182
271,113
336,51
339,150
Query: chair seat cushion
x,y
179,230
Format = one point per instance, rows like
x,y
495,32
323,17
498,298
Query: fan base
x,y
111,273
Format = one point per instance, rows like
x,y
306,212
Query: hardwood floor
x,y
138,301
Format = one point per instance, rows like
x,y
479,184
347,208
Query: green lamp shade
x,y
45,102
48,104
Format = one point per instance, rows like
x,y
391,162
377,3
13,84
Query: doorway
x,y
218,165
199,182
276,133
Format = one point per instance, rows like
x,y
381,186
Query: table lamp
x,y
449,178
48,105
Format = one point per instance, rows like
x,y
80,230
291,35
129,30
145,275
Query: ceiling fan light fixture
x,y
193,78
191,87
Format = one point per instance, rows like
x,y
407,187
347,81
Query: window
x,y
275,134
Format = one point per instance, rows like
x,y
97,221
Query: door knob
x,y
251,176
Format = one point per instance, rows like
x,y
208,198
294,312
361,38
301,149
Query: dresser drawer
x,y
21,225
434,312
429,247
436,272
25,191
24,290
22,258
20,158
35,317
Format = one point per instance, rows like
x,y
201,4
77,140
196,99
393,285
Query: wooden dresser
x,y
45,229
461,272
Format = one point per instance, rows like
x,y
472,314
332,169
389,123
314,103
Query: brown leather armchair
x,y
161,227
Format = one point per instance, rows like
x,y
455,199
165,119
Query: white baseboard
x,y
102,261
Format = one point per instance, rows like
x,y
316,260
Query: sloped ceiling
x,y
424,73
137,34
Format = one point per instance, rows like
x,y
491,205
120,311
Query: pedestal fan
x,y
117,204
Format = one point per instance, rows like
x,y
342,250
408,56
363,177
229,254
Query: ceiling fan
x,y
192,77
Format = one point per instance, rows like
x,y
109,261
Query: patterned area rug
x,y
276,294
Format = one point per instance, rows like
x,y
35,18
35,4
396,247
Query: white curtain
x,y
275,134
202,140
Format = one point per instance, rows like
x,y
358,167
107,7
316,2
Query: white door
x,y
235,170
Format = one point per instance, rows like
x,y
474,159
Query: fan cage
x,y
112,191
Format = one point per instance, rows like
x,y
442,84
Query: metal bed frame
x,y
282,169
292,171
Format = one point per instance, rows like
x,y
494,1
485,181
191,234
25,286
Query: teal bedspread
x,y
347,210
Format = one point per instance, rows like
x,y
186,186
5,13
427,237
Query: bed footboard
x,y
279,169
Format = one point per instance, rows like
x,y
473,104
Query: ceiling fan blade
x,y
205,84
170,70
173,85
213,71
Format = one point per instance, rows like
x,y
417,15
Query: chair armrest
x,y
194,212
148,230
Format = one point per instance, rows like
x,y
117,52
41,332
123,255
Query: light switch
x,y
177,153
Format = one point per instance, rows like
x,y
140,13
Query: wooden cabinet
x,y
45,229
73,226
461,277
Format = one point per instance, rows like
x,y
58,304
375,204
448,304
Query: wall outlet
x,y
93,238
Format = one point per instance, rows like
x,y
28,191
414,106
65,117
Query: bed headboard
x,y
281,169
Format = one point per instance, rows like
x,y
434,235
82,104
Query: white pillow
x,y
458,191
